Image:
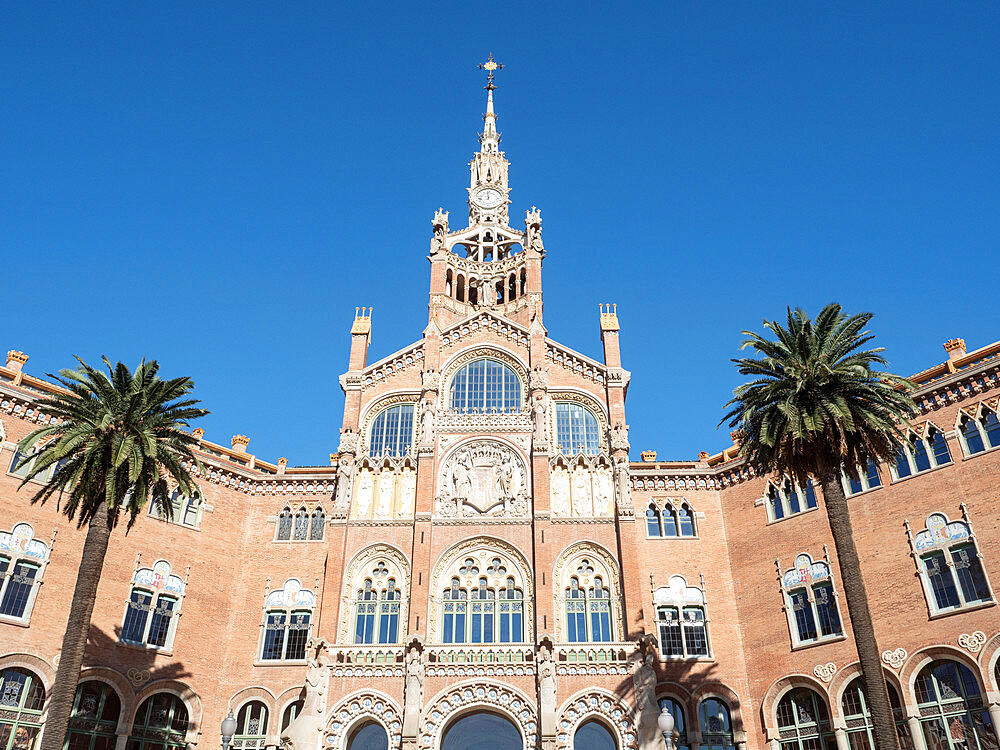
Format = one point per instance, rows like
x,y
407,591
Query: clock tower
x,y
488,264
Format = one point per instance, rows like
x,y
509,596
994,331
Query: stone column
x,y
995,715
841,734
917,732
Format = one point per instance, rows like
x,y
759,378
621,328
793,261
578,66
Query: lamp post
x,y
665,721
228,730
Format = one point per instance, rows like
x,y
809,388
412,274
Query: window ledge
x,y
849,495
297,541
819,642
960,610
280,662
790,516
20,622
675,538
175,523
897,480
981,453
685,659
161,650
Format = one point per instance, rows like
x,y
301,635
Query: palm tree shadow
x,y
140,666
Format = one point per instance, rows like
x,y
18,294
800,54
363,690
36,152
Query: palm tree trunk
x,y
77,629
876,693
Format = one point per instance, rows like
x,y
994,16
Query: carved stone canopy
x,y
483,477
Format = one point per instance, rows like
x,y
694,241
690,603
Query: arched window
x,y
919,454
448,283
681,741
680,615
391,432
587,600
485,385
483,615
789,499
184,510
284,532
94,718
22,562
950,565
577,429
370,736
482,729
377,610
455,610
161,723
287,622
288,715
653,521
953,713
301,526
804,721
859,721
978,434
21,699
511,613
593,735
484,600
317,524
868,479
810,602
251,727
716,725
151,612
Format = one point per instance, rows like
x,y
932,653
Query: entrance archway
x,y
482,731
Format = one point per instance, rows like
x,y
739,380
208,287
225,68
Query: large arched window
x,y
251,727
716,725
161,723
21,699
370,736
480,731
681,741
376,617
587,594
859,720
94,717
953,713
804,721
483,600
485,385
577,429
392,431
593,735
287,622
588,610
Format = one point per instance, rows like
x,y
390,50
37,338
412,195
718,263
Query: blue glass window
x,y
392,431
669,521
687,521
593,735
364,623
973,438
371,736
600,612
18,589
826,609
576,613
873,478
940,446
653,522
992,426
485,385
805,622
810,493
511,614
970,574
483,610
777,507
577,429
136,615
902,463
455,608
941,581
920,456
388,624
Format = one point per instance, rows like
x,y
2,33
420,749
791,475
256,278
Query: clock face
x,y
487,197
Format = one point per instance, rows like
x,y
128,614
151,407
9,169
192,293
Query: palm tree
x,y
117,444
816,408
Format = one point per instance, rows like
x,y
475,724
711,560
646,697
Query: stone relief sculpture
x,y
560,491
414,687
305,730
623,494
345,480
407,492
582,503
618,437
546,670
539,412
484,478
603,493
348,443
427,411
366,485
386,488
538,379
644,686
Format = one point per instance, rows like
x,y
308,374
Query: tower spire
x,y
490,139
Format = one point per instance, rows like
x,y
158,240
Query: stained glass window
x,y
161,723
716,725
953,714
93,721
21,699
251,727
804,721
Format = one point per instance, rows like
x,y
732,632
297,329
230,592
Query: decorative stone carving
x,y
972,642
483,478
366,485
583,504
546,673
623,494
895,658
414,690
461,698
559,487
539,412
644,686
345,479
370,704
386,489
427,412
826,671
538,379
348,443
603,703
407,493
305,730
138,677
430,380
618,437
603,492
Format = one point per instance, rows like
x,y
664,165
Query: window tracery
x,y
485,385
301,525
185,510
588,594
22,564
287,622
160,723
788,498
804,721
979,429
153,607
392,430
577,429
715,721
374,601
919,454
22,697
93,721
251,727
868,479
674,518
810,602
952,711
950,565
681,620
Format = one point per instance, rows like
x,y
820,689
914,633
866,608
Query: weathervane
x,y
489,66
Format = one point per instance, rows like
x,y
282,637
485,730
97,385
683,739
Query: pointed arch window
x,y
456,607
577,429
287,622
587,601
511,613
284,531
919,454
184,510
484,600
950,566
868,479
22,563
789,499
716,725
93,720
153,607
810,602
485,385
391,433
979,433
377,608
317,524
675,519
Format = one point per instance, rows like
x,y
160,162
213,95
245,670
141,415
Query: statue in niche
x,y
603,492
539,410
619,437
538,379
345,475
385,491
366,485
407,492
427,411
560,492
623,494
582,504
546,670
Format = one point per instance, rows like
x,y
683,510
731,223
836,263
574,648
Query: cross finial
x,y
489,66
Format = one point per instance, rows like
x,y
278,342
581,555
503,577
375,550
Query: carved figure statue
x,y
560,491
427,412
345,475
644,679
623,494
462,480
407,492
429,380
619,437
348,443
582,504
603,492
539,410
505,477
366,485
414,692
385,491
538,379
546,669
303,733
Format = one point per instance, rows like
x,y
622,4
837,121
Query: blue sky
x,y
217,186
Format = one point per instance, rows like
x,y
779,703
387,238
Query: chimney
x,y
703,457
954,347
16,360
282,463
239,443
648,456
198,433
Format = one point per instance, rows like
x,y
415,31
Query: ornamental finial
x,y
489,66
